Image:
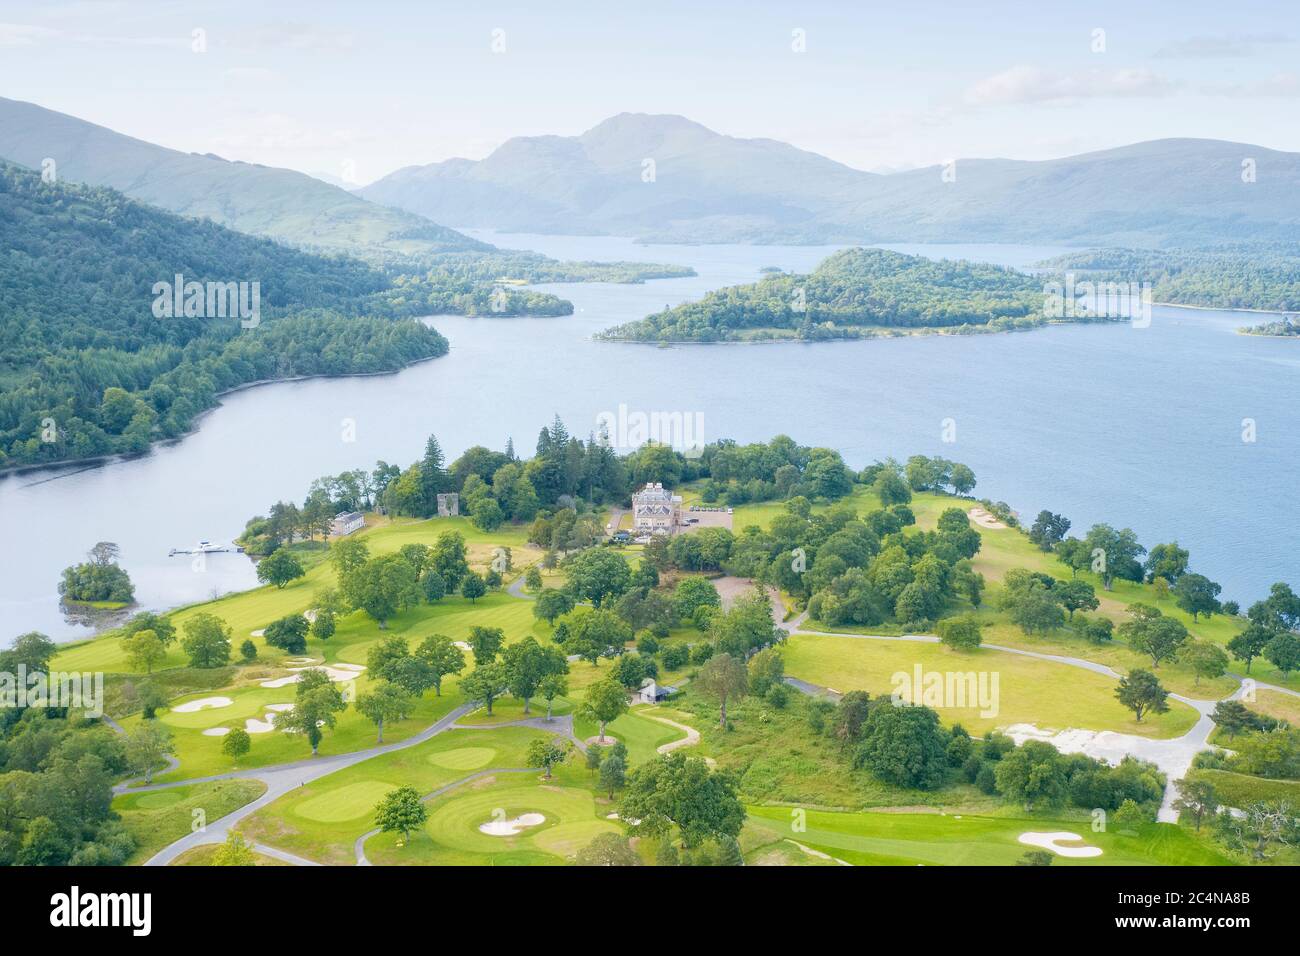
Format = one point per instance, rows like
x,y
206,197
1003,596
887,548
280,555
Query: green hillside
x,y
87,368
853,294
261,200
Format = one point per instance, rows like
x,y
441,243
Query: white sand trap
x,y
336,672
464,646
203,703
260,632
267,723
984,519
513,827
255,726
216,732
1049,841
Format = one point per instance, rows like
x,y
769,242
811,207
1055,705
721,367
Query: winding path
x,y
1173,755
279,780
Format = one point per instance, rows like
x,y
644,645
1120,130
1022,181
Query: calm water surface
x,y
1138,427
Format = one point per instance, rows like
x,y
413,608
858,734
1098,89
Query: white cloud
x,y
1216,47
21,34
250,74
1031,84
1278,85
296,36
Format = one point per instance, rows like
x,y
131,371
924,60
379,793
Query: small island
x,y
854,294
99,583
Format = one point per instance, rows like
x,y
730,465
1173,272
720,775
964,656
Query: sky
x,y
351,91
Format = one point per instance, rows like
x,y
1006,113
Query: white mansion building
x,y
655,510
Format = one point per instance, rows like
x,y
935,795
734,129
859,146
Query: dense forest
x,y
852,294
1247,276
87,369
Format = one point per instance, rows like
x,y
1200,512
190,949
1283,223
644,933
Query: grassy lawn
x,y
932,839
451,837
201,755
1282,706
1241,790
164,816
252,610
639,733
509,709
206,854
1044,693
323,819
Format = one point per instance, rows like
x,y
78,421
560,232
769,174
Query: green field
x,y
252,610
161,817
935,839
451,837
322,819
639,733
1045,693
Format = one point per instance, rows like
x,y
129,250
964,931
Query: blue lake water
x,y
1135,426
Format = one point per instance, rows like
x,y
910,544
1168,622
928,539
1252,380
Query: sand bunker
x,y
513,827
216,732
203,703
267,723
1049,841
984,519
464,646
336,672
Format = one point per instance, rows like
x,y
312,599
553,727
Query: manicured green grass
x,y
206,855
201,755
1044,693
932,839
508,709
639,733
452,836
252,610
164,816
322,819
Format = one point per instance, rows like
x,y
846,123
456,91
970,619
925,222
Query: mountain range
x,y
261,200
666,178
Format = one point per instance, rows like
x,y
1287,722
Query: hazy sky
x,y
317,85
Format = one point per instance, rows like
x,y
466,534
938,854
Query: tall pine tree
x,y
434,479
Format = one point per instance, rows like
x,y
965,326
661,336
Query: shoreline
x,y
76,466
946,331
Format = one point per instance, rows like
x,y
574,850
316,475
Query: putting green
x,y
159,799
571,820
463,758
346,803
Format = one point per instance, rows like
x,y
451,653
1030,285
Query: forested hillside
x,y
1250,276
278,203
853,294
87,369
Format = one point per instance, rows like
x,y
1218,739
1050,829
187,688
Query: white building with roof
x,y
345,522
655,510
